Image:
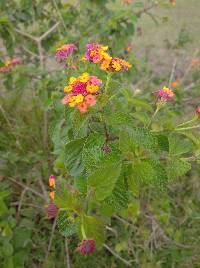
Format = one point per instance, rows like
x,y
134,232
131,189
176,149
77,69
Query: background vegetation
x,y
160,40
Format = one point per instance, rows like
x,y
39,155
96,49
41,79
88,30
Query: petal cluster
x,y
65,51
86,247
9,64
165,94
98,54
81,91
51,211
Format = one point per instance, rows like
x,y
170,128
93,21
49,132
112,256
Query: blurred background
x,y
161,40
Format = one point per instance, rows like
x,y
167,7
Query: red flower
x,y
51,211
86,247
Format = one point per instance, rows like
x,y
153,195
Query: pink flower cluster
x,y
81,91
86,247
65,51
9,64
165,94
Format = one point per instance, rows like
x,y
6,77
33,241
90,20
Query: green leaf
x,y
147,172
178,145
73,157
93,151
119,197
65,199
177,167
104,178
137,137
65,227
119,119
94,229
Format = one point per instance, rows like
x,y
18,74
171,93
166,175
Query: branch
x,y
42,37
128,263
67,253
27,188
51,238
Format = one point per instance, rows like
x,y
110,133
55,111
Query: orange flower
x,y
83,108
90,100
52,195
194,62
175,84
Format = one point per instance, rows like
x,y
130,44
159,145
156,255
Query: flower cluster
x,y
81,91
98,54
65,51
52,184
51,211
165,94
9,64
86,247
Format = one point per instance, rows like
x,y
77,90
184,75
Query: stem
x,y
187,128
109,75
153,116
83,232
187,122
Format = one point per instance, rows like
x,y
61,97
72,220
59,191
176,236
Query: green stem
x,y
188,122
153,116
109,75
83,232
187,128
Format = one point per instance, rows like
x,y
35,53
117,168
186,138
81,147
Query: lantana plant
x,y
110,147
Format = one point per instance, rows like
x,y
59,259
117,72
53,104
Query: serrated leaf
x,y
119,197
137,137
119,119
147,172
177,167
65,227
104,178
73,157
92,151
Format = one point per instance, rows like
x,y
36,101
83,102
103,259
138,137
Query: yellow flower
x,y
92,88
84,77
67,88
79,98
72,101
72,80
116,66
105,65
104,48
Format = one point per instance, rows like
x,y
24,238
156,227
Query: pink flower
x,y
165,94
51,211
79,88
65,51
90,100
5,69
66,99
86,247
94,80
52,181
83,108
16,61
